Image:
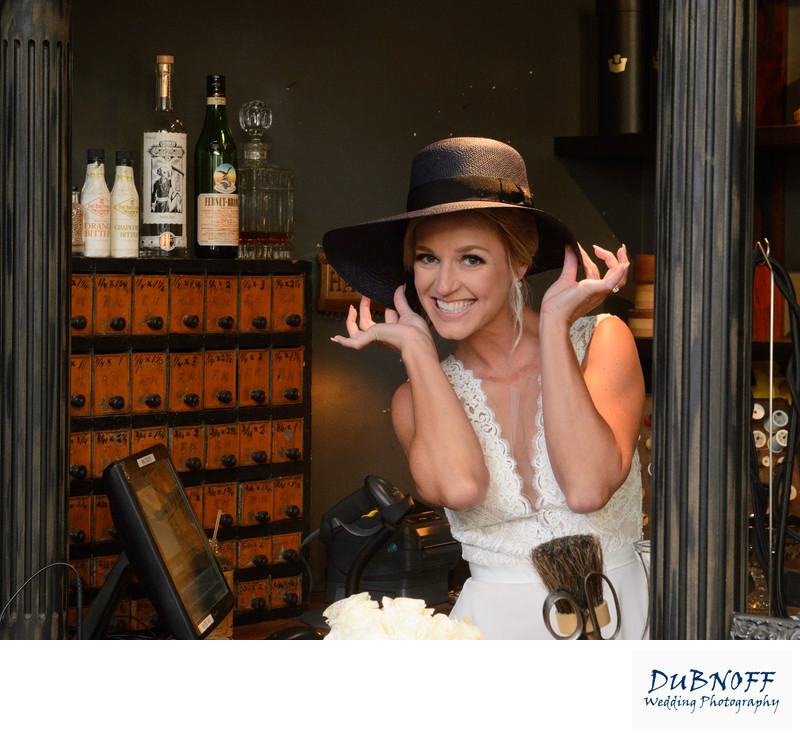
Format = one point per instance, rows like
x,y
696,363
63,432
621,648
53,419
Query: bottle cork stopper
x,y
164,59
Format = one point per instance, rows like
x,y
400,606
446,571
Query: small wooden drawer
x,y
254,377
112,304
255,502
287,440
254,552
255,304
101,568
285,592
109,446
143,438
186,381
288,497
222,304
186,303
286,548
219,379
195,497
81,319
102,522
80,385
80,455
287,376
287,303
219,499
150,304
255,442
187,447
80,519
148,382
111,375
222,446
252,596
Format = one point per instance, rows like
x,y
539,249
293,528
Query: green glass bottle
x,y
216,165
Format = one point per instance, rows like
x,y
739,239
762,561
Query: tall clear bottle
x,y
265,192
96,202
216,164
163,231
124,209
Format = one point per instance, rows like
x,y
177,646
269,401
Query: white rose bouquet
x,y
358,618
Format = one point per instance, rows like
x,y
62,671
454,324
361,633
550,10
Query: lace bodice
x,y
508,524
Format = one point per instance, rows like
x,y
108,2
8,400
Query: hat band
x,y
457,189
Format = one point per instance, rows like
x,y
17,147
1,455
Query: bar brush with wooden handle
x,y
571,568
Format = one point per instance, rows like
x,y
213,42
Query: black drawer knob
x,y
78,471
77,536
152,400
292,511
226,520
194,463
77,400
290,598
226,322
224,396
258,395
262,516
191,321
260,457
260,560
117,402
117,324
260,323
78,322
292,394
294,320
155,322
293,453
192,400
228,460
289,555
258,603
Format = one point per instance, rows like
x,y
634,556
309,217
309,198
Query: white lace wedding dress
x,y
524,507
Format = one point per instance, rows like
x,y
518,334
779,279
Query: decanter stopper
x,y
255,118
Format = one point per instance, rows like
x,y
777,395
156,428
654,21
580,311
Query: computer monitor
x,y
164,546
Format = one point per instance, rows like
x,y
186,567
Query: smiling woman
x,y
528,430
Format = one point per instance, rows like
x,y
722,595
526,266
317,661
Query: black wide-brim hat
x,y
448,176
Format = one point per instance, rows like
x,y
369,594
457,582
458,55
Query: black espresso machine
x,y
380,541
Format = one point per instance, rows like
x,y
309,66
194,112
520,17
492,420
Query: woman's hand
x,y
570,299
401,325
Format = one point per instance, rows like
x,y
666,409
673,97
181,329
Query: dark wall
x,y
356,88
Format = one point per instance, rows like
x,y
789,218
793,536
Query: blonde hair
x,y
517,231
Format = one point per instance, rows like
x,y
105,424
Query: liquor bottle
x,y
124,209
96,202
163,231
265,192
216,165
77,223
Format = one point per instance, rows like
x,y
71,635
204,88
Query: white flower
x,y
339,608
406,619
444,628
358,617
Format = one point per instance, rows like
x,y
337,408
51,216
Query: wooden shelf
x,y
642,146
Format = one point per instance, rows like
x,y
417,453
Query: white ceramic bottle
x,y
124,209
96,202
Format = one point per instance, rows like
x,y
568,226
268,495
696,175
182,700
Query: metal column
x,y
703,316
35,72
